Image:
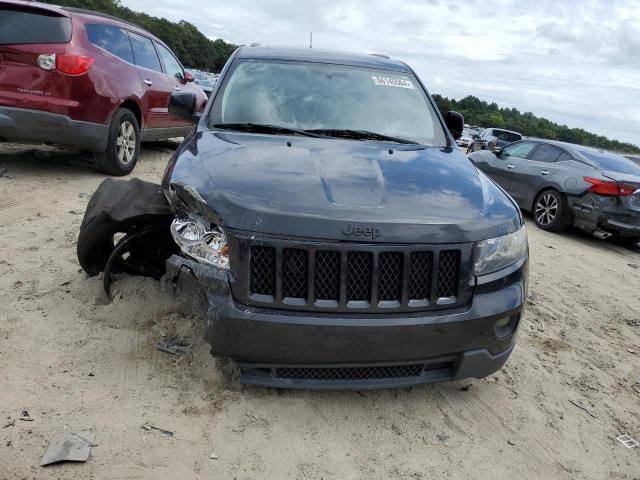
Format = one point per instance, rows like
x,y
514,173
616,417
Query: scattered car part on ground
x,y
492,138
88,81
563,184
310,246
69,447
628,441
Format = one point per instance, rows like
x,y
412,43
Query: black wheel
x,y
123,144
550,211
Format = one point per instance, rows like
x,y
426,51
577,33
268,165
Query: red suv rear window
x,y
28,26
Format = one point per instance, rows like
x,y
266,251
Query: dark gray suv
x,y
564,184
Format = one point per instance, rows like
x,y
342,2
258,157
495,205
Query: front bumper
x,y
23,125
312,350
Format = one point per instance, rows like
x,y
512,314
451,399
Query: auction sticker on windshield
x,y
392,82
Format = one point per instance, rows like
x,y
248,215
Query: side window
x,y
113,39
564,156
144,53
546,153
520,150
171,66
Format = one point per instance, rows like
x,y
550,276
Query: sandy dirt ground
x,y
77,363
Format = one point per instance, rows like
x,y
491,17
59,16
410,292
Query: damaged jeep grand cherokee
x,y
340,237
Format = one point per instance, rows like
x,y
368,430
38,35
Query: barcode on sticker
x,y
392,82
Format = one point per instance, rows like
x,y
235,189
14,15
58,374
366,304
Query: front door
x,y
505,165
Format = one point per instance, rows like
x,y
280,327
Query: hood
x,y
337,189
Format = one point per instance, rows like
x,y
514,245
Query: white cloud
x,y
572,62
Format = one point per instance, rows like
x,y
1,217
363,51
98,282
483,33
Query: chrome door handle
x,y
176,88
148,82
544,172
511,167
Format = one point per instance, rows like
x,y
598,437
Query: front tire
x,y
123,145
550,211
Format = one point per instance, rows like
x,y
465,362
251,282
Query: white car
x,y
464,141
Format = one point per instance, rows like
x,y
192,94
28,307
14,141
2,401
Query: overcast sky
x,y
574,62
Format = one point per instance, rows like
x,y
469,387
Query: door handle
x,y
148,82
511,166
177,89
544,172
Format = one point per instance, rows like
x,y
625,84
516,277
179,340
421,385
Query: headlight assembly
x,y
206,245
497,253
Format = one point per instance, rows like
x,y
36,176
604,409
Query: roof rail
x,y
381,55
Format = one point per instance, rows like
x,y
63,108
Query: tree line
x,y
197,51
187,42
479,112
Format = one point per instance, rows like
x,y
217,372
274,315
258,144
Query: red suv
x,y
86,80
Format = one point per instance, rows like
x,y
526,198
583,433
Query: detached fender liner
x,y
126,207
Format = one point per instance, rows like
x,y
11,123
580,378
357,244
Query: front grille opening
x,y
390,276
295,273
359,275
350,373
420,275
263,270
327,276
448,273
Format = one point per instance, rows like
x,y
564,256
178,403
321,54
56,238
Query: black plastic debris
x,y
149,427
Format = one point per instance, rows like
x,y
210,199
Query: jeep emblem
x,y
355,231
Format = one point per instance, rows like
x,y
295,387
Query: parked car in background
x,y
466,139
491,138
564,184
205,80
86,80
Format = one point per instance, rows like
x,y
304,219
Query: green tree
x,y
478,112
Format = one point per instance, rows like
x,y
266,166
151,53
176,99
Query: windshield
x,y
612,162
313,96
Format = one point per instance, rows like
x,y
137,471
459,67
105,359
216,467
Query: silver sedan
x,y
563,184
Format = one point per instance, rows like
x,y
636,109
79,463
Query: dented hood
x,y
337,189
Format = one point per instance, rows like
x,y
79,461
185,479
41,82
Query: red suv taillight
x,y
73,64
610,189
69,64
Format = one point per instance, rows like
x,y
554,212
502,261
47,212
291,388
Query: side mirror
x,y
182,105
497,151
188,76
455,124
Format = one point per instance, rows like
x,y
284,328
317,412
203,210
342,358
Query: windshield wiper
x,y
360,135
265,128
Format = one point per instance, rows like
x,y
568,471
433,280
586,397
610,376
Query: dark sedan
x,y
564,184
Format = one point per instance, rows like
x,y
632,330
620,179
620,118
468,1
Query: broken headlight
x,y
204,244
497,253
